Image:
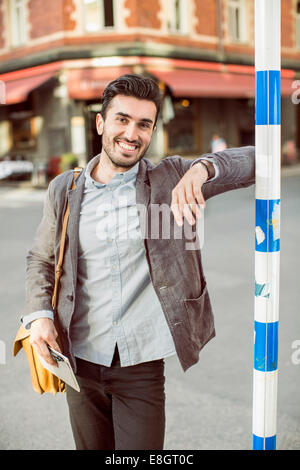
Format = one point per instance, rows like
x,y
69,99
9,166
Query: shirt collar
x,y
122,178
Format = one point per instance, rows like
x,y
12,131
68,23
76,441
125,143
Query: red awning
x,y
19,83
89,83
202,83
18,90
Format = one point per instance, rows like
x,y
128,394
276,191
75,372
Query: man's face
x,y
127,129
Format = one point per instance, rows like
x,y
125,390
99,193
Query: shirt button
x,y
116,322
114,267
105,213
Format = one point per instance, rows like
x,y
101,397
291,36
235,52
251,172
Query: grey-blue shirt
x,y
115,299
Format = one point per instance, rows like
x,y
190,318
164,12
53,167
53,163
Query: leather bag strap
x,y
59,269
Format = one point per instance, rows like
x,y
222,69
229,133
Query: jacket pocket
x,y
200,321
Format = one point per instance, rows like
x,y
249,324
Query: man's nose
x,y
131,132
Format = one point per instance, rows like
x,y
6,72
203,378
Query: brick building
x,y
56,56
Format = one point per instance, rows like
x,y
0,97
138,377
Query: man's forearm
x,y
236,169
235,165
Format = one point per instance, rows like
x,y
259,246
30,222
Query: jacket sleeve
x,y
236,169
28,319
40,262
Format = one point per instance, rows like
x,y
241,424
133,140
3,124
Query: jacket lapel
x,y
143,194
74,199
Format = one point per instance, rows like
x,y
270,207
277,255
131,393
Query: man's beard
x,y
108,149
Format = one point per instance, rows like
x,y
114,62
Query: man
x,y
129,296
218,144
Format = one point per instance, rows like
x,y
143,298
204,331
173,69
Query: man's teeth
x,y
126,147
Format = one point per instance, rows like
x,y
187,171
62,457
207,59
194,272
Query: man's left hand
x,y
187,195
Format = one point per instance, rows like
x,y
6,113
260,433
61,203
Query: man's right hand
x,y
43,333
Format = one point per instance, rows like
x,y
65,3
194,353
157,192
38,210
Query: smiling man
x,y
126,302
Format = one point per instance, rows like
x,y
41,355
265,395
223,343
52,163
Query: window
x,y
298,25
24,130
181,134
237,20
18,22
178,22
99,14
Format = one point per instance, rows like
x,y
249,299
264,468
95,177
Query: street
x,y
209,406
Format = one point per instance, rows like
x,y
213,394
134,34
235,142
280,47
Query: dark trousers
x,y
118,408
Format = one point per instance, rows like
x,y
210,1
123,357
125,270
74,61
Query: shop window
x,y
237,20
178,14
23,128
18,22
298,25
181,131
99,14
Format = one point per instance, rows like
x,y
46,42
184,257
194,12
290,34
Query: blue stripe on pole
x,y
266,346
264,443
267,221
267,95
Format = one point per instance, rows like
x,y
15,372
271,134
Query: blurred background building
x,y
57,56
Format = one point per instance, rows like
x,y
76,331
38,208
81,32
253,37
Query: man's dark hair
x,y
134,85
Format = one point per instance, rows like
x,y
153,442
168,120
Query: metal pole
x,y
267,221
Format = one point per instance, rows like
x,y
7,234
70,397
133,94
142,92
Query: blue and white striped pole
x,y
267,221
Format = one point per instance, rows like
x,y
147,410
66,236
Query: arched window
x,y
98,14
18,22
298,24
237,25
178,16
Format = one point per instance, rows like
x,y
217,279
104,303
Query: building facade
x,y
57,56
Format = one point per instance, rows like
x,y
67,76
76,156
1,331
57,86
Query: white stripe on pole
x,y
267,221
265,419
267,35
267,161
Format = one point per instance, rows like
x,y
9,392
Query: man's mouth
x,y
128,148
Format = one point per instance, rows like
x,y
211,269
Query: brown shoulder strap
x,y
58,269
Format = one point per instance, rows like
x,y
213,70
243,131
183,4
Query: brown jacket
x,y
176,272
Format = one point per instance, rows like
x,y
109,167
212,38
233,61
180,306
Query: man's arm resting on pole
x,y
235,169
233,166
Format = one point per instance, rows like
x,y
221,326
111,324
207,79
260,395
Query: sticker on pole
x,y
267,230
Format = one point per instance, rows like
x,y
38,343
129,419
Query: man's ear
x,y
99,123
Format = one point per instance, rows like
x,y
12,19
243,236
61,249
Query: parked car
x,y
15,168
